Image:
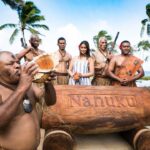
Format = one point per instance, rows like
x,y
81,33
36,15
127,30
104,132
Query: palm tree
x,y
144,46
28,15
145,21
111,44
14,4
100,34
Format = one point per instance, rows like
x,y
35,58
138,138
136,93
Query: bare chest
x,y
5,93
100,58
120,61
29,56
25,129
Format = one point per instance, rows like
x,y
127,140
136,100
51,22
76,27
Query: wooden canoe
x,y
98,109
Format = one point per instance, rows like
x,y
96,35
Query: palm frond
x,y
40,26
148,10
142,30
146,58
108,37
95,40
102,33
33,31
14,34
34,19
145,45
29,10
26,16
13,4
8,25
29,16
144,21
29,5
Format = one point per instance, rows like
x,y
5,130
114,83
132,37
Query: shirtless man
x,y
101,58
19,125
63,59
32,51
125,68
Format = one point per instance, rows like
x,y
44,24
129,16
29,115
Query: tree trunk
x,y
98,109
23,40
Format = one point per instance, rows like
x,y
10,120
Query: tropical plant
x,y
100,34
29,16
14,4
144,46
111,44
146,78
144,22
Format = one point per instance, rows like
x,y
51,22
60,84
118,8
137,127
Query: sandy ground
x,y
97,142
101,142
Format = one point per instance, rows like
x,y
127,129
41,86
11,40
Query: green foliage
x,y
146,78
148,10
100,34
33,31
29,15
105,34
14,34
145,45
144,21
40,26
13,4
8,25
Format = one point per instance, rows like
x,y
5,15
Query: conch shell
x,y
45,62
46,65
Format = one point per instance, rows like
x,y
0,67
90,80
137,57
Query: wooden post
x,y
58,140
139,138
98,109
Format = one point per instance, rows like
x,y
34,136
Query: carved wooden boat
x,y
98,109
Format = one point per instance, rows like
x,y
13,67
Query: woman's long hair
x,y
86,43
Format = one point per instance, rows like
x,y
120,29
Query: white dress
x,y
80,66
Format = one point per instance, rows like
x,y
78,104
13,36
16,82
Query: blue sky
x,y
79,20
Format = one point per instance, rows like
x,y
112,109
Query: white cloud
x,y
70,32
49,42
128,31
100,25
5,45
73,37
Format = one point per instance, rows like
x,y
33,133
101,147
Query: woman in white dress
x,y
81,67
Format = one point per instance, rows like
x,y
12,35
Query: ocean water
x,y
147,73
